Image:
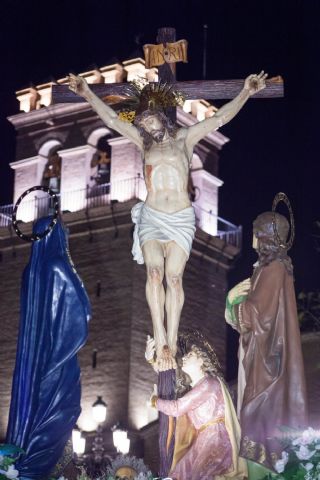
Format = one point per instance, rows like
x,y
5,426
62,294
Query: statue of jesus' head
x,y
153,125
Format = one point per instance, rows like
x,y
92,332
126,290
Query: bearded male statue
x,y
271,383
165,222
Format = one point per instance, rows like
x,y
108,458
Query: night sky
x,y
274,143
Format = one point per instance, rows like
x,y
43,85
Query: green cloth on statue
x,y
230,306
257,471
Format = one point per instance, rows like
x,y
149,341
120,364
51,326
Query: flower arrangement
x,y
135,465
81,476
301,458
8,456
121,467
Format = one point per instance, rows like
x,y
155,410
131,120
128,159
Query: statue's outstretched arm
x,y
79,86
253,84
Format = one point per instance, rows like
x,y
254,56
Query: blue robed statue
x,y
55,311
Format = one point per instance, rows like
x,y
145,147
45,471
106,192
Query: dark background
x,y
274,143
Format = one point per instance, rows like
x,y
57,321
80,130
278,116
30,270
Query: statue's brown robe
x,y
274,391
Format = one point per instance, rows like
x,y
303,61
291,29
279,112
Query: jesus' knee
x,y
155,275
174,281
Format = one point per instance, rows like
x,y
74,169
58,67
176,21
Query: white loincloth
x,y
151,224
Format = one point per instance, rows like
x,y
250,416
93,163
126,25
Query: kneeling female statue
x,y
207,434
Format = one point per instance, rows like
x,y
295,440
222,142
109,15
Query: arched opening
x,y
37,204
101,161
50,165
99,166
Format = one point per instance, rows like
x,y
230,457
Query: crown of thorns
x,y
140,96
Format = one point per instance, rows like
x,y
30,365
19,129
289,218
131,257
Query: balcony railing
x,y
217,226
101,195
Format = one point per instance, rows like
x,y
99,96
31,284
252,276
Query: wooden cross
x,y
206,89
214,89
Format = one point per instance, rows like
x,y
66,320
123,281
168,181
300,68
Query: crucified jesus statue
x,y
165,222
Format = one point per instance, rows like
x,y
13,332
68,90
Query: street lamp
x,y
76,434
99,414
97,459
99,410
121,440
78,442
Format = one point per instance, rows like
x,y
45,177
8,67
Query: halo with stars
x,y
35,236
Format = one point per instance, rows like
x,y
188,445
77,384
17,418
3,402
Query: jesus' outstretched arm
x,y
79,86
253,84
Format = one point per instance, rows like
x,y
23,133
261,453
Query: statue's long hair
x,y
166,122
268,246
194,341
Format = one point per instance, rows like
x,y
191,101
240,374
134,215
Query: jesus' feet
x,y
165,360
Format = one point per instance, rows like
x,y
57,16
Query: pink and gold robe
x,y
213,453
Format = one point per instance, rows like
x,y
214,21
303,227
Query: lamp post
x,y
76,434
95,461
120,440
99,414
78,442
99,410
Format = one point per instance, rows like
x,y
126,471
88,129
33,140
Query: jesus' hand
x,y
78,85
254,83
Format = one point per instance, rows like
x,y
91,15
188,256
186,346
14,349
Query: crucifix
x,y
165,222
167,152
